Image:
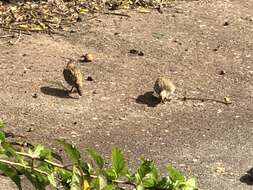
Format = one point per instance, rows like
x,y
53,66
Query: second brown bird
x,y
73,77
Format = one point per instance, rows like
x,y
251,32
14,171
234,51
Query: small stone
x,y
75,123
141,53
89,78
116,33
227,100
79,19
220,170
226,23
194,160
88,57
72,31
122,118
222,72
29,130
133,51
35,95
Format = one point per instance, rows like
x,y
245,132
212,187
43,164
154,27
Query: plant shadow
x,y
149,99
248,177
58,92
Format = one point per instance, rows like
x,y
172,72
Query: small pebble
x,y
136,52
141,53
226,23
89,78
133,51
222,72
29,130
194,160
88,57
35,95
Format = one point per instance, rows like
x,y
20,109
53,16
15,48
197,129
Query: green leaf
x,y
190,184
111,187
2,124
76,181
96,157
165,183
2,137
110,174
11,173
65,176
38,180
102,182
174,174
52,180
140,187
146,174
118,162
145,168
9,150
71,151
150,180
86,167
98,183
36,151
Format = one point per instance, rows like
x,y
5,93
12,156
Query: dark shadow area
x,y
58,92
248,177
149,99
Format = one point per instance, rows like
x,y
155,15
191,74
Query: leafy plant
x,y
42,167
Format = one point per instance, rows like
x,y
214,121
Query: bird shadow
x,y
58,92
148,98
248,177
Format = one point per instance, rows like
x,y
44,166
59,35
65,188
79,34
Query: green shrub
x,y
42,167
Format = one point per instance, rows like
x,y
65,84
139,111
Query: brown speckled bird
x,y
73,77
164,88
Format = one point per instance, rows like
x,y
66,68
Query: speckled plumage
x,y
73,77
164,88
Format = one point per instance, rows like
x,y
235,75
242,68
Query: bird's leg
x,y
163,100
71,90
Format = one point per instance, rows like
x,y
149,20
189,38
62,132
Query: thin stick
x,y
24,166
7,36
117,14
205,99
45,160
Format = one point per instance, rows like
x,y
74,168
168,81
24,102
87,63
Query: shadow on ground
x,y
52,91
248,178
149,99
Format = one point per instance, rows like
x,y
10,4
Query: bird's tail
x,y
79,91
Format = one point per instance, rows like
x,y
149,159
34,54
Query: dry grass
x,y
51,15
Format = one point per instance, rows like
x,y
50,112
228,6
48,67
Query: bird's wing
x,y
157,87
70,76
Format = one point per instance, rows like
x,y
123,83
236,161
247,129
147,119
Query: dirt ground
x,y
192,42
